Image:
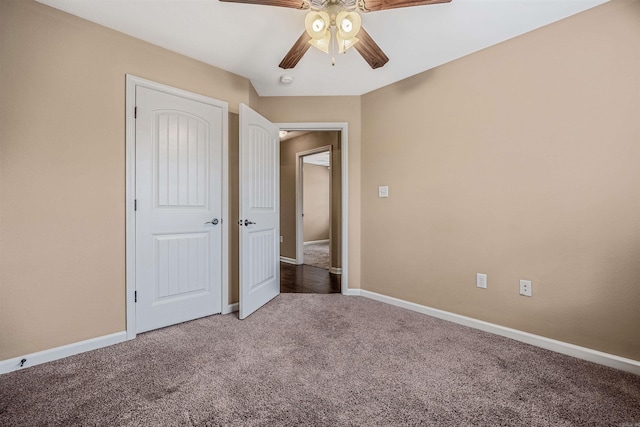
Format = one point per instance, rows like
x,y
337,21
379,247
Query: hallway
x,y
308,279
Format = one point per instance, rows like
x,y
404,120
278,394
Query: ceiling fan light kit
x,y
348,25
317,25
340,19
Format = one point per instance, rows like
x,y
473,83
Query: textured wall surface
x,y
520,161
62,157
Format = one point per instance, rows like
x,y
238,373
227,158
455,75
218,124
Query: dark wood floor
x,y
307,279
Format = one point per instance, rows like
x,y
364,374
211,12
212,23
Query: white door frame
x,y
343,128
300,200
130,164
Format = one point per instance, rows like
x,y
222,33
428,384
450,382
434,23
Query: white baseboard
x,y
50,355
229,308
313,242
584,353
288,260
606,359
335,270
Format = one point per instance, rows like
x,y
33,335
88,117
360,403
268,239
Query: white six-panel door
x,y
259,211
179,209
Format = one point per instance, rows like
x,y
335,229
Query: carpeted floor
x,y
326,360
317,254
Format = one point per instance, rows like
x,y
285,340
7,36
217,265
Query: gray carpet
x,y
317,254
326,360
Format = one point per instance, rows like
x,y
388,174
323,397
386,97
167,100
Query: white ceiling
x,y
293,134
251,40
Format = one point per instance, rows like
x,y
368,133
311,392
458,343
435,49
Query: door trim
x,y
300,204
132,82
343,128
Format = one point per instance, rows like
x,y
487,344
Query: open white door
x,y
259,211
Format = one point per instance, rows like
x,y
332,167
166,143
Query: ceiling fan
x,y
337,21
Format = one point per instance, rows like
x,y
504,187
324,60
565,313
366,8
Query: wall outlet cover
x,y
525,288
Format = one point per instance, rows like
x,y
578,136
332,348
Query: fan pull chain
x,y
333,46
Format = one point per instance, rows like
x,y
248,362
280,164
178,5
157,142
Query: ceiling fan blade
x,y
374,5
370,50
294,4
296,52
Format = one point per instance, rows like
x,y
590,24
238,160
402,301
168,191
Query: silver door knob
x,y
214,221
247,222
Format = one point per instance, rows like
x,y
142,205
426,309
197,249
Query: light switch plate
x,y
481,280
383,191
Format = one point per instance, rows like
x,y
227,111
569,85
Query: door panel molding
x,y
133,82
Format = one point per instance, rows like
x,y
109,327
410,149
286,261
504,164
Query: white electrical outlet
x,y
481,280
525,288
281,239
383,191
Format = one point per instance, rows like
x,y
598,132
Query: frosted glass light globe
x,y
317,25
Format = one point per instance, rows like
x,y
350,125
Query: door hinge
x,y
135,112
135,296
135,205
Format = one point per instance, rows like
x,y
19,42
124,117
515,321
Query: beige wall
x,y
329,109
254,98
288,152
522,162
316,193
62,154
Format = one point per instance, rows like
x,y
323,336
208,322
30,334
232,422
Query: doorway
x,y
312,216
315,184
176,158
131,201
314,204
